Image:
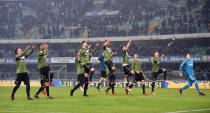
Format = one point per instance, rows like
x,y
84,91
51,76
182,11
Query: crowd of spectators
x,y
177,47
143,47
68,19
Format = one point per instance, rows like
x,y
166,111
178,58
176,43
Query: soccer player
x,y
80,74
85,59
156,70
102,70
108,53
44,70
189,72
21,70
139,75
126,67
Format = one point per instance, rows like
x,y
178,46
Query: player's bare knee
x,y
143,82
132,72
46,83
42,78
103,79
92,69
164,70
113,68
51,72
86,74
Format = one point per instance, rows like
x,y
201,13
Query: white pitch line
x,y
15,111
28,112
185,111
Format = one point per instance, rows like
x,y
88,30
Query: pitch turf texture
x,y
166,100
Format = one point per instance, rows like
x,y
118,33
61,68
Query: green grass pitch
x,y
166,100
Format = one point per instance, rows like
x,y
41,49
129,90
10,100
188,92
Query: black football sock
x,y
143,88
15,89
108,88
165,74
28,89
76,87
153,86
98,85
91,75
112,88
131,86
85,88
40,89
48,91
127,83
51,77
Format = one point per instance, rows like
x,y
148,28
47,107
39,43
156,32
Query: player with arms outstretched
x,y
80,74
156,70
108,53
92,70
44,70
21,70
85,61
126,66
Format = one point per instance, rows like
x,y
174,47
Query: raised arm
x,y
161,57
106,43
94,50
20,55
23,53
127,46
29,53
46,49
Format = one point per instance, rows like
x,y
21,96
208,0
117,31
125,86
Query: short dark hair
x,y
105,40
16,50
155,51
122,47
40,45
83,42
186,54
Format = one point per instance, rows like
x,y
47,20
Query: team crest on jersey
x,y
87,51
126,53
158,61
108,49
22,58
45,56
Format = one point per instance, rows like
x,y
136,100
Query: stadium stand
x,y
50,19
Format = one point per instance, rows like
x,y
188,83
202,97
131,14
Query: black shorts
x,y
127,69
155,74
138,77
44,71
22,77
112,78
81,79
109,64
87,67
103,73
